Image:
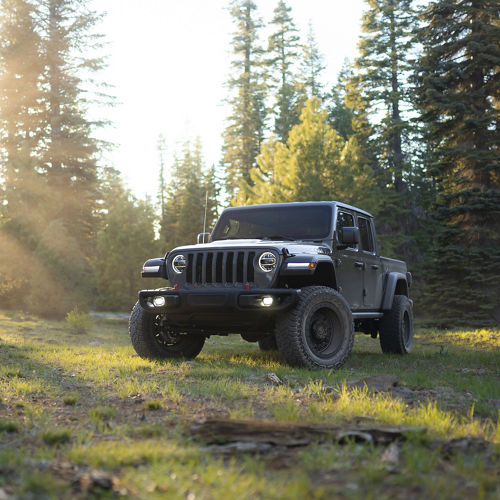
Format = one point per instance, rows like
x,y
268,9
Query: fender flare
x,y
390,289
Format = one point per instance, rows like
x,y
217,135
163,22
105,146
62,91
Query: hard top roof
x,y
299,203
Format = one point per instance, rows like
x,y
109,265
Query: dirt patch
x,y
376,383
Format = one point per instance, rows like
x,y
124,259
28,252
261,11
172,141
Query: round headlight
x,y
267,262
179,263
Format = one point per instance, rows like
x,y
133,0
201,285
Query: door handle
x,y
359,264
374,266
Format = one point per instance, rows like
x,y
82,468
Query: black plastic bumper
x,y
223,300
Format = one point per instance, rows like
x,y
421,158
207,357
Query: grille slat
x,y
235,267
224,264
245,268
190,269
220,267
214,268
198,266
204,267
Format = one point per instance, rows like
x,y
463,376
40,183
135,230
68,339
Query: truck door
x,y
348,270
372,272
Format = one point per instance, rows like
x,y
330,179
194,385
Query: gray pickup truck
x,y
297,277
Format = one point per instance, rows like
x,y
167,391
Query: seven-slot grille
x,y
220,267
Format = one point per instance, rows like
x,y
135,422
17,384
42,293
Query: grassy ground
x,y
81,416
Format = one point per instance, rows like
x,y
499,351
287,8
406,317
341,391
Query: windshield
x,y
309,222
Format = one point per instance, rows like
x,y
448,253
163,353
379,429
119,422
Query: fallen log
x,y
269,433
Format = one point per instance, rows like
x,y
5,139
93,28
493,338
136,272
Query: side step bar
x,y
367,315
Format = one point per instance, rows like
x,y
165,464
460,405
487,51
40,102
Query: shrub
x,y
56,437
8,426
78,322
70,399
153,405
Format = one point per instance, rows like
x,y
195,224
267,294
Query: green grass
x,y
88,400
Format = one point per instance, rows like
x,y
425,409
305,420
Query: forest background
x,y
409,131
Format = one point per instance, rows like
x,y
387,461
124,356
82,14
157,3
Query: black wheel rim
x,y
164,336
323,333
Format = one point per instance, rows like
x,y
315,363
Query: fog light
x,y
159,301
267,301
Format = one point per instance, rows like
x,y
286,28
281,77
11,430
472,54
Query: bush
x,y
78,322
56,437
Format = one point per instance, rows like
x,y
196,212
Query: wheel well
x,y
401,288
325,275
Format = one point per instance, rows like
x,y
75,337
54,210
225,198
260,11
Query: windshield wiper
x,y
276,237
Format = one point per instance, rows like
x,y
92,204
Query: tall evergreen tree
x,y
314,164
283,51
127,231
47,150
382,89
459,86
191,199
246,124
312,66
161,146
340,115
69,156
20,115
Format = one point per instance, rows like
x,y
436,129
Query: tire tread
x,y
391,340
140,332
288,335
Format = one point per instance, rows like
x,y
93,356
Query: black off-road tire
x,y
396,327
268,343
152,339
318,332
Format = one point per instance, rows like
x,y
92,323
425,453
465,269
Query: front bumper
x,y
218,300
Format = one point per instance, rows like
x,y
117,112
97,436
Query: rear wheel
x,y
396,327
318,331
153,338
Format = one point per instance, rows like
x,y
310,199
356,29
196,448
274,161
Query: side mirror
x,y
349,236
203,238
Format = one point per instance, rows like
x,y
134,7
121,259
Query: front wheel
x,y
153,338
396,327
318,331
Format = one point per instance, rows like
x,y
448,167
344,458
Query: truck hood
x,y
296,248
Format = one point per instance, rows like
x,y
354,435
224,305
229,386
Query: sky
x,y
168,63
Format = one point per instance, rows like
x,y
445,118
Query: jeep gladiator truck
x,y
297,277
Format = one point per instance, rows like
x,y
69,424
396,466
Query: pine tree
x,y
48,154
381,88
20,117
340,115
283,51
314,164
128,232
19,135
312,66
246,124
161,146
70,151
458,96
191,194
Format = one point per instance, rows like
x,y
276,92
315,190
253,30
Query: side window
x,y
344,220
365,234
